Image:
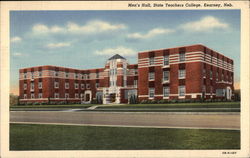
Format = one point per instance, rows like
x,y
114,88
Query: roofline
x,y
60,67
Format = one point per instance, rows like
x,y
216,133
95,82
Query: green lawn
x,y
62,137
179,105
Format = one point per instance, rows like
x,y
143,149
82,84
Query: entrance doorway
x,y
112,97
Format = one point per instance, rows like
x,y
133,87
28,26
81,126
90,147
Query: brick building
x,y
188,72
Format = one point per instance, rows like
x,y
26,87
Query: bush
x,y
36,103
29,103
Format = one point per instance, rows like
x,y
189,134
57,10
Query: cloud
x,y
57,45
205,24
95,26
118,50
150,34
16,39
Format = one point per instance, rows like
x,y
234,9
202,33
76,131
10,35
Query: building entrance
x,y
112,97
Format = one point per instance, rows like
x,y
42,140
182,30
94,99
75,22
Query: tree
x,y
14,99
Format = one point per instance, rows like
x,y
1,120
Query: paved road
x,y
145,119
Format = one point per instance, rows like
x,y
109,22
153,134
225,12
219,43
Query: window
x,y
97,75
40,95
182,74
25,86
32,86
66,85
56,95
165,91
32,75
211,74
136,71
124,83
181,90
76,75
135,83
66,95
25,75
222,78
165,75
56,73
56,85
76,86
182,56
217,76
32,96
87,85
76,95
66,74
151,75
25,96
40,73
166,60
97,85
211,90
82,86
204,72
40,85
204,88
88,76
83,76
151,61
151,92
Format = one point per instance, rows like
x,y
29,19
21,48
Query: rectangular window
x,y
66,95
182,74
165,75
66,74
82,86
32,96
66,85
83,76
88,76
151,61
40,73
25,75
166,60
56,73
56,95
97,75
182,57
204,72
165,91
76,85
32,86
76,95
151,76
87,85
151,92
25,96
135,83
76,76
204,88
181,90
217,76
211,74
25,86
32,75
97,85
40,95
222,78
40,85
56,85
136,71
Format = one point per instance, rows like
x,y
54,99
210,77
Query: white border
x,y
5,7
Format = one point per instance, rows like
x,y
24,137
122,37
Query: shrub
x,y
29,103
36,103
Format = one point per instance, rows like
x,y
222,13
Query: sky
x,y
86,39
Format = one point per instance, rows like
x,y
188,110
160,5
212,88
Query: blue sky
x,y
86,39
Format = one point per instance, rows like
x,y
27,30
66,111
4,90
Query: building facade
x,y
188,72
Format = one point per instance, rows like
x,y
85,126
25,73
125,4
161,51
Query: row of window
x,y
56,95
182,57
166,91
223,77
56,85
166,75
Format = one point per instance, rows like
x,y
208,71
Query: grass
x,y
179,105
65,137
